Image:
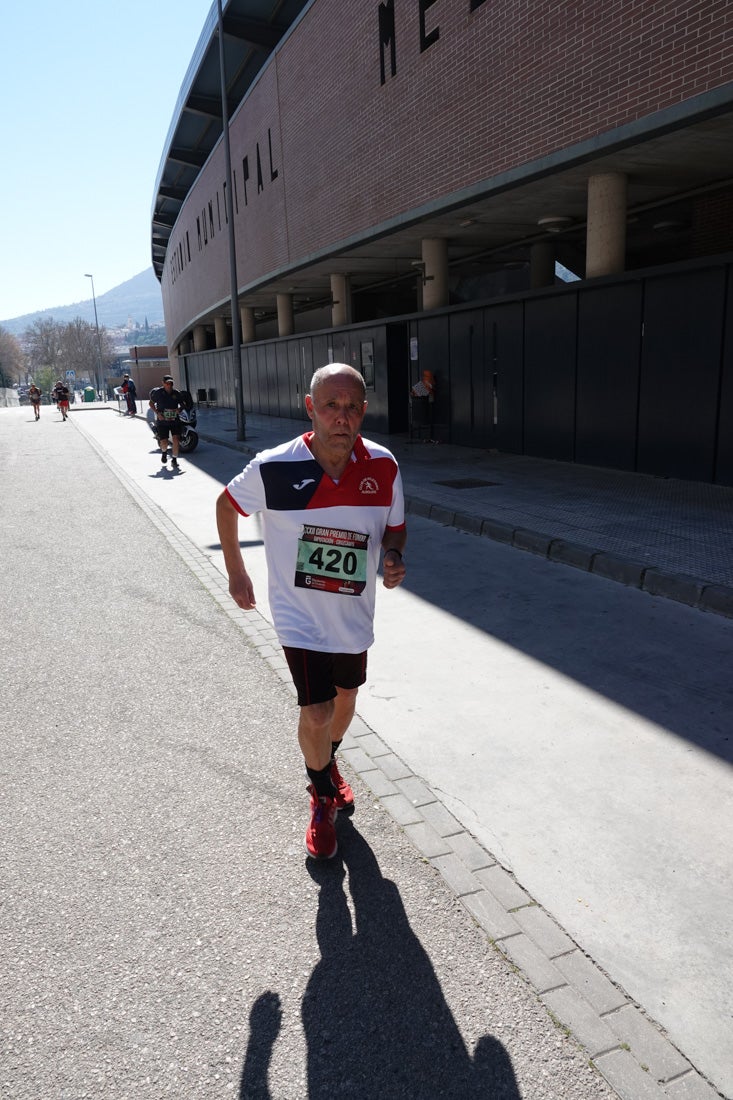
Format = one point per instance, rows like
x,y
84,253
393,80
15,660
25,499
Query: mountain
x,y
138,298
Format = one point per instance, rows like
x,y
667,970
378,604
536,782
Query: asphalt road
x,y
162,933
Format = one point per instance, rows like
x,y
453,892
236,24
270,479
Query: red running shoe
x,y
320,836
344,795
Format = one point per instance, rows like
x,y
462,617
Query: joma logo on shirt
x,y
304,482
368,485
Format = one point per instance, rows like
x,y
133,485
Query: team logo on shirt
x,y
368,486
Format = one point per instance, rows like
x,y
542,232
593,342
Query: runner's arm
x,y
240,583
393,567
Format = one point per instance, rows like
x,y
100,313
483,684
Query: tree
x,y
58,348
43,342
80,351
45,379
12,359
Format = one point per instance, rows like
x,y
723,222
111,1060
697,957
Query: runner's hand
x,y
393,569
242,592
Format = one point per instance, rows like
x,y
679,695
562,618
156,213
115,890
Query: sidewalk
x,y
672,538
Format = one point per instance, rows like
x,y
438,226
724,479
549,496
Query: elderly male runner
x,y
329,500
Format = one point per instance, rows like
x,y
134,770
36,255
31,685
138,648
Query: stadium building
x,y
532,200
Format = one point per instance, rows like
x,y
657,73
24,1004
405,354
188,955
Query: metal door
x,y
504,331
549,376
680,374
609,332
471,382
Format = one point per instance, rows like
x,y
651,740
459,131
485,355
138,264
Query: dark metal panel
x,y
504,333
338,346
259,397
724,459
433,354
273,404
295,384
310,360
249,373
680,374
396,342
369,357
549,376
471,382
609,333
283,378
319,356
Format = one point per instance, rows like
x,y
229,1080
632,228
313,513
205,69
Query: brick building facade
x,y
372,128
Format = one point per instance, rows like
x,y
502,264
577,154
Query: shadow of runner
x,y
375,1018
264,1028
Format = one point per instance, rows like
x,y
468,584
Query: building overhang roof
x,y
670,158
252,30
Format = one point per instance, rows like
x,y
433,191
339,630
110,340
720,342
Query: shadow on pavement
x,y
375,1019
264,1028
659,659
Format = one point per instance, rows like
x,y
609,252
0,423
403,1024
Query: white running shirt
x,y
322,539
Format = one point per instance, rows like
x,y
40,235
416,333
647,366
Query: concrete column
x,y
541,264
247,318
199,338
605,241
341,304
285,323
435,258
221,332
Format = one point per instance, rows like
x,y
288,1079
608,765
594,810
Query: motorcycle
x,y
189,439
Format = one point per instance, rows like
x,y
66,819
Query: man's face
x,y
337,410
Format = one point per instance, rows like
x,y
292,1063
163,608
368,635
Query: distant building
x,y
146,366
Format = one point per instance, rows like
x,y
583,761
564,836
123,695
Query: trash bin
x,y
201,397
89,394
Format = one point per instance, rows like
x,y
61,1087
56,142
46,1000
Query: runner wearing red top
x,y
328,501
62,398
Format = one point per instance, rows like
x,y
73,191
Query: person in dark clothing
x,y
130,391
166,402
62,398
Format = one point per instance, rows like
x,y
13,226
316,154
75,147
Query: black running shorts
x,y
317,675
163,427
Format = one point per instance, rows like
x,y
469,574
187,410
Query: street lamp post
x,y
99,339
236,327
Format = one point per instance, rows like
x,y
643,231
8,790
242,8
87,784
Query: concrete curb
x,y
693,591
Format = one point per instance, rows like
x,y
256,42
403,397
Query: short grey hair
x,y
332,369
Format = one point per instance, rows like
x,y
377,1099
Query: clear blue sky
x,y
87,92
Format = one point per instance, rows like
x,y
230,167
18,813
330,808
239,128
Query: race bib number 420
x,y
331,560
